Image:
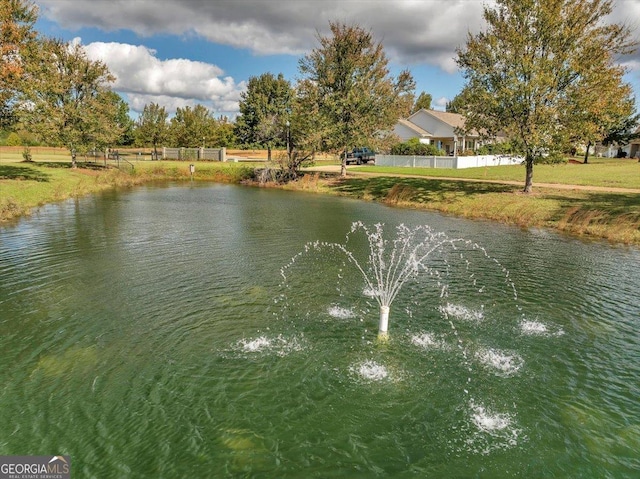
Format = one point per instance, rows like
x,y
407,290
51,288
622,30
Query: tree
x,y
536,63
224,133
424,101
356,95
123,120
457,105
152,128
310,130
623,132
192,127
17,36
13,139
264,110
68,101
595,112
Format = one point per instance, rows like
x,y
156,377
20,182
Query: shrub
x,y
466,153
14,139
553,158
414,147
500,148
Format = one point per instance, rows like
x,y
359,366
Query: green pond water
x,y
175,331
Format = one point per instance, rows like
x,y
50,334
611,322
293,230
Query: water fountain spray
x,y
391,264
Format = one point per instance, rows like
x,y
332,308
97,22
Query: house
x,y
634,149
631,150
443,129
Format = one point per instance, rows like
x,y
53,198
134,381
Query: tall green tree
x,y
598,114
357,95
17,37
122,119
423,101
457,104
624,132
152,127
264,111
305,131
224,133
191,127
536,62
68,99
310,129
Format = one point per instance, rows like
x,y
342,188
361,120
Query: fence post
x,y
223,154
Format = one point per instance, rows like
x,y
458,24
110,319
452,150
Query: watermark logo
x,y
35,467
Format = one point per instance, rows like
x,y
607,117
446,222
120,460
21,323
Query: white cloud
x,y
172,83
138,101
412,30
441,103
414,33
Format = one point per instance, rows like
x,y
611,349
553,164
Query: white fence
x,y
456,162
487,160
211,154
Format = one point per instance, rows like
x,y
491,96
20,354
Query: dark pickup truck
x,y
360,155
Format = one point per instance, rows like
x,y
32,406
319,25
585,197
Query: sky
x,y
180,53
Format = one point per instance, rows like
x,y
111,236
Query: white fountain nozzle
x,y
384,320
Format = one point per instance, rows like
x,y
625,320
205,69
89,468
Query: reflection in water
x,y
148,333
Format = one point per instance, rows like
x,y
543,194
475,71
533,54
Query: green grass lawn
x,y
607,172
26,185
612,216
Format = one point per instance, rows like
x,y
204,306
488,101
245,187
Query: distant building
x,y
443,129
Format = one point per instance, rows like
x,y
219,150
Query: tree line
x,y
544,75
52,93
345,98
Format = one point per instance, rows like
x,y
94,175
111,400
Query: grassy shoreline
x,y
25,186
600,172
612,216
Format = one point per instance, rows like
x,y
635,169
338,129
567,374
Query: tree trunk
x,y
343,166
586,155
528,181
269,154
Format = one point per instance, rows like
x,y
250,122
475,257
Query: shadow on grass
x,y
614,204
417,189
22,172
55,164
66,165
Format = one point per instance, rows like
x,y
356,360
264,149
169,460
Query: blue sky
x,y
185,52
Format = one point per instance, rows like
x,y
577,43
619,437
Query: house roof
x,y
455,120
636,140
415,128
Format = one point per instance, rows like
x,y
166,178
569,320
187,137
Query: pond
x,y
191,331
